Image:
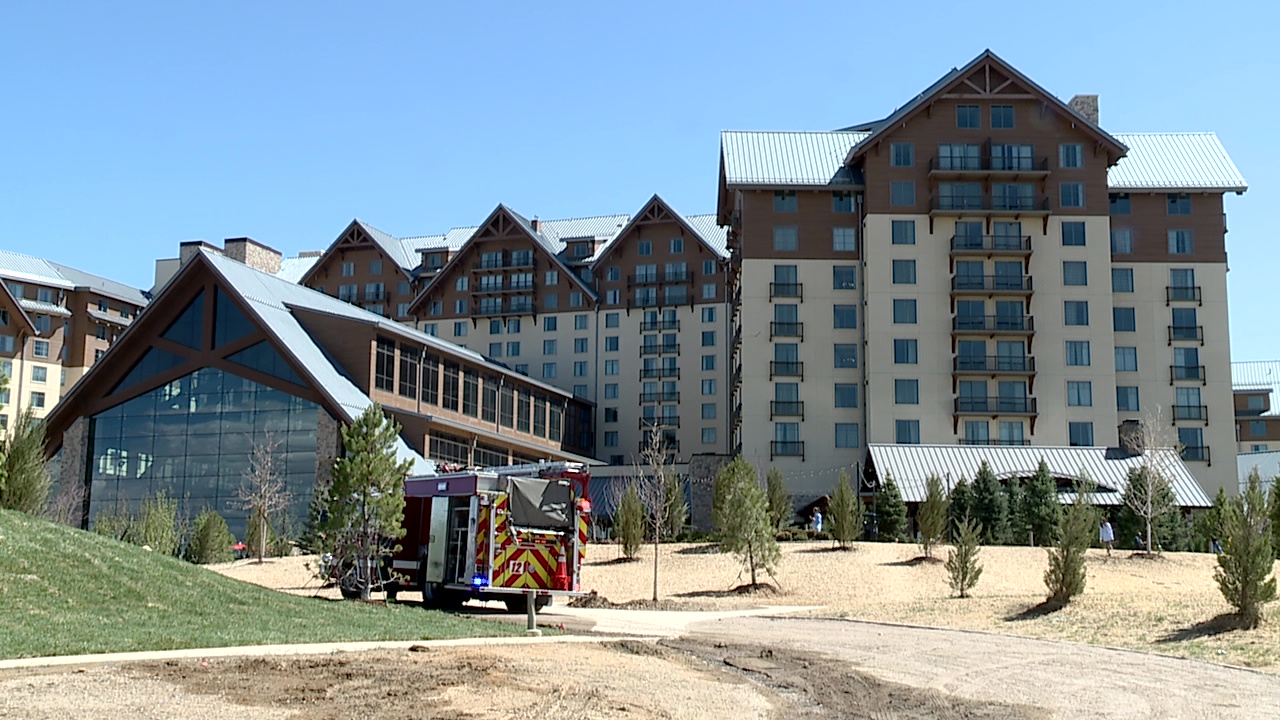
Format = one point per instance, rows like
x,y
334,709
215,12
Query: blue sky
x,y
129,127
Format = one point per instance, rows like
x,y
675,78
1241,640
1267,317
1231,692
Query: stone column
x,y
72,471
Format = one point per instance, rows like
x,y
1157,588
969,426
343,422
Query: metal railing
x,y
786,408
991,243
1187,372
661,349
1182,293
786,448
1005,442
786,329
1195,453
993,364
988,163
666,421
786,368
991,204
658,325
659,373
996,405
1186,332
1191,412
991,283
671,397
786,290
993,323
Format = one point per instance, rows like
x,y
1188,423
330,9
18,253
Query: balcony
x,y
992,325
786,408
667,397
645,279
993,365
511,309
1187,372
1186,332
786,330
991,284
1182,293
973,205
1191,412
666,421
502,264
790,291
1019,245
997,442
995,406
967,166
499,288
659,325
659,373
786,448
664,349
1195,453
783,368
376,296
735,379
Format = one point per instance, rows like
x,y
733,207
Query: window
x,y
579,368
708,314
1073,234
1075,312
495,350
1079,393
846,355
460,306
611,438
1070,155
1121,280
904,272
436,308
1075,273
1126,398
513,349
902,193
786,239
1124,319
842,202
644,248
906,392
968,117
548,347
348,269
549,370
611,414
1192,442
1126,359
904,311
677,245
579,345
846,435
39,374
1080,434
611,320
40,348
460,329
1257,428
708,435
1120,204
1179,204
37,399
844,239
611,343
708,411
1121,241
845,317
580,321
904,232
708,291
1078,353
785,201
846,395
101,332
610,367
708,338
1001,117
905,351
1180,242
906,432
902,154
1071,195
708,362
708,387
575,299
844,277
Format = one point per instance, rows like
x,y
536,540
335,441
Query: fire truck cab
x,y
504,533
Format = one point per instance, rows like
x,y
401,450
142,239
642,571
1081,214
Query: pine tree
x,y
846,513
26,477
780,507
962,565
1066,575
211,540
748,533
1247,559
719,500
675,510
891,511
1273,510
932,515
1208,524
960,503
628,522
1041,509
989,506
1015,500
366,500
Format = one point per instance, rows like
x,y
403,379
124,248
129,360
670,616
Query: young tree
x,y
990,508
263,493
780,508
891,511
748,534
26,478
960,502
1273,510
365,503
628,522
1066,575
1015,499
846,513
962,565
659,491
211,540
932,515
1207,526
1247,559
1149,494
719,501
1041,509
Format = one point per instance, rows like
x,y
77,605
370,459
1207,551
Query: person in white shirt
x,y
1107,536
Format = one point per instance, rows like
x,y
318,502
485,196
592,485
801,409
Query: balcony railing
x,y
784,368
998,442
503,287
671,444
664,349
513,309
503,264
666,421
645,279
659,373
996,405
1019,244
994,364
373,296
1195,453
1019,284
786,290
1191,412
786,329
973,204
658,325
1186,332
987,163
1017,324
786,408
786,448
1182,293
1187,372
665,397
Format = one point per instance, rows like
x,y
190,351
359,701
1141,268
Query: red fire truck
x,y
502,533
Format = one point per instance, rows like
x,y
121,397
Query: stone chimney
x,y
1131,437
1086,105
537,224
189,248
253,253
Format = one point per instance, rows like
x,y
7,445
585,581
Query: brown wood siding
x,y
814,220
1244,431
1242,402
625,256
328,275
1150,222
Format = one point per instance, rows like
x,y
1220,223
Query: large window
x,y
904,272
385,365
902,193
786,238
904,232
904,311
906,351
449,395
845,317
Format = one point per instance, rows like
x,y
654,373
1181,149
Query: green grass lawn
x,y
65,591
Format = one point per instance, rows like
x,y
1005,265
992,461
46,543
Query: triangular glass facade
x,y
229,323
153,363
264,358
189,326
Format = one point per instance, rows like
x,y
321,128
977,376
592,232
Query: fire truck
x,y
511,533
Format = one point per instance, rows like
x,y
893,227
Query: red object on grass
x,y
239,546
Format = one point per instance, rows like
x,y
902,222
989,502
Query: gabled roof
x,y
102,286
713,237
295,268
911,466
21,313
1175,161
389,245
786,158
956,76
26,268
716,237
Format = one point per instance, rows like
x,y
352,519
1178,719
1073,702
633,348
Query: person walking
x,y
1106,535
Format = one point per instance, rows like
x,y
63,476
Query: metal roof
x,y
911,466
600,227
107,317
292,269
1258,375
25,268
1175,161
102,286
43,308
1267,463
716,237
784,158
390,245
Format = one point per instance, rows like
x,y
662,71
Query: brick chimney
x,y
1086,105
537,224
253,253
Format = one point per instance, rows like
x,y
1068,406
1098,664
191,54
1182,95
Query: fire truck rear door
x,y
437,539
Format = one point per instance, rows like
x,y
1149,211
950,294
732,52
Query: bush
x,y
629,521
1065,577
23,467
1247,559
962,565
211,541
113,522
1041,509
784,536
156,525
846,513
990,506
819,535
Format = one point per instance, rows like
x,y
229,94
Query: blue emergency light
x,y
479,581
